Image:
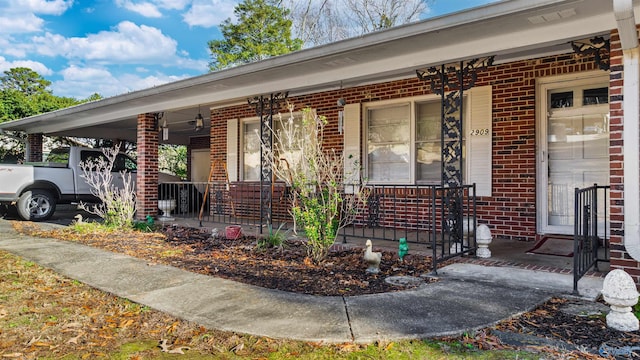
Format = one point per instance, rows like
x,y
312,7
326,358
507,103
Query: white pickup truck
x,y
35,188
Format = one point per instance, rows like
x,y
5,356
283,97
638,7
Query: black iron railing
x,y
438,217
591,231
226,203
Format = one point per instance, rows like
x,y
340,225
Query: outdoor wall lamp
x,y
156,120
165,131
199,121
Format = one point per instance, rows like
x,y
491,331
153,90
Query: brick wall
x,y
147,177
511,211
34,141
619,258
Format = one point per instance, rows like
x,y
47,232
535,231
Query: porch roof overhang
x,y
510,30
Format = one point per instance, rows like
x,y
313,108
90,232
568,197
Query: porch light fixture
x,y
165,131
199,121
156,120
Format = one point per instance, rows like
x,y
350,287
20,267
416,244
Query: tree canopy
x,y
24,93
263,29
24,80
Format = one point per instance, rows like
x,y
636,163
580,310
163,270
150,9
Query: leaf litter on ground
x,y
196,250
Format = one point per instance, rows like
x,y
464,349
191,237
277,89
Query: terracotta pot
x,y
233,232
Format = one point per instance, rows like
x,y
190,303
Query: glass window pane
x,y
595,96
283,127
389,163
388,145
287,129
251,151
428,121
596,136
429,162
428,147
562,100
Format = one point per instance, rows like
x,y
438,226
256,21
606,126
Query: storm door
x,y
574,144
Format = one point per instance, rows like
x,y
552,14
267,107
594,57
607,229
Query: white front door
x,y
573,145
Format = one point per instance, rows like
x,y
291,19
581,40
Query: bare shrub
x,y
117,205
315,175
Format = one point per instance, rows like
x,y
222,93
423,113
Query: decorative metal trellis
x,y
450,81
598,46
266,107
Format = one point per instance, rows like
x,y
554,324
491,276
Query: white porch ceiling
x,y
510,30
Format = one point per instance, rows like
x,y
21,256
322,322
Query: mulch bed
x,y
588,332
288,267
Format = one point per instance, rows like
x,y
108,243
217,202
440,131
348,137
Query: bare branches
x,y
118,200
318,22
315,176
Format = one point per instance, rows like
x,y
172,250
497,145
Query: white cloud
x,y
209,13
127,43
145,8
20,23
173,4
199,65
36,66
55,7
151,8
82,82
19,16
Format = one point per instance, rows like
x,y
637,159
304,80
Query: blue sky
x,y
116,46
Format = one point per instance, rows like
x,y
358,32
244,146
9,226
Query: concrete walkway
x,y
466,297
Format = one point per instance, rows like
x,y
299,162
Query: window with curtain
x,y
403,143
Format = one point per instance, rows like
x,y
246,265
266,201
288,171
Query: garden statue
x,y
483,239
403,248
619,291
372,259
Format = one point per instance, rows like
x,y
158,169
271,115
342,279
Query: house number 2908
x,y
479,132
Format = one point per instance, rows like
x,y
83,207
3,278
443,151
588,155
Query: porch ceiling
x,y
510,30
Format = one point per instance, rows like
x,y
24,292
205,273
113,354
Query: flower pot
x,y
233,232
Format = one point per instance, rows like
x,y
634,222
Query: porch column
x,y
265,108
33,150
147,177
450,81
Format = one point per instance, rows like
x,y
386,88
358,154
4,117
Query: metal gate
x,y
591,230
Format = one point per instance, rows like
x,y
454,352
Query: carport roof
x,y
509,29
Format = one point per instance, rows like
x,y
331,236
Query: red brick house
x,y
549,87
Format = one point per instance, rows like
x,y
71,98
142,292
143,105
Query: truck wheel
x,y
36,205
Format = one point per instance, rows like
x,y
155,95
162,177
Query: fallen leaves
x,y
587,334
167,348
60,317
